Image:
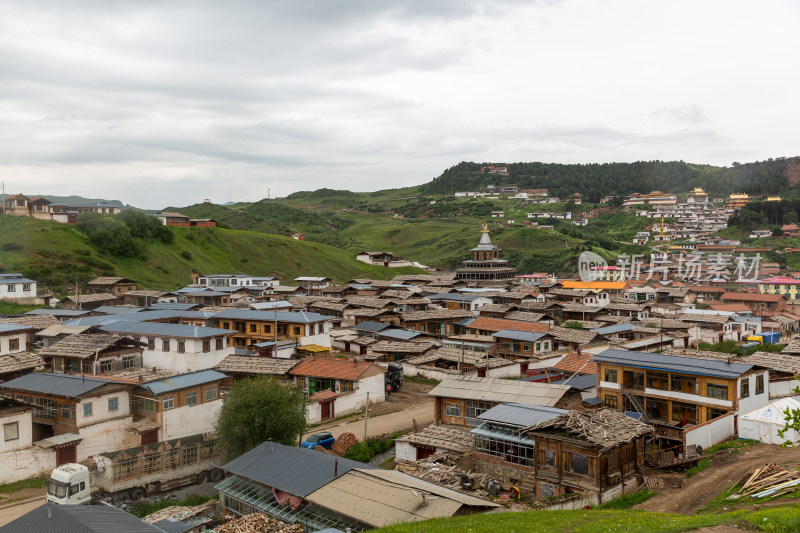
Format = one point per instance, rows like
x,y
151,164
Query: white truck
x,y
128,474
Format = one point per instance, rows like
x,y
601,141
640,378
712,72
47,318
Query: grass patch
x,y
364,451
143,509
13,308
738,444
701,465
627,501
34,483
421,381
388,464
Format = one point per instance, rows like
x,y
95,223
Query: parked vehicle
x,y
324,440
128,474
393,377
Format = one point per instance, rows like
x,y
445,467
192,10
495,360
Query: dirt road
x,y
12,512
725,469
389,423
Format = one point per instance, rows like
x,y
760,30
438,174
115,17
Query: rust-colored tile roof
x,y
752,297
577,362
323,396
336,369
732,307
499,324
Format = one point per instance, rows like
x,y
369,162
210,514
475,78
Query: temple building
x,y
484,264
697,196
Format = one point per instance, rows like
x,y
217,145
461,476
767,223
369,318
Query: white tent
x,y
763,423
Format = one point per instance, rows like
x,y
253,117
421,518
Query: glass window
x,y
633,380
65,412
760,384
657,409
181,346
13,344
345,386
546,345
190,398
550,458
11,431
657,380
128,361
210,394
206,345
717,391
687,384
712,413
452,409
151,343
253,328
476,408
165,345
168,402
526,347
610,375
684,412
113,404
611,401
87,409
139,403
744,388
301,383
579,464
105,366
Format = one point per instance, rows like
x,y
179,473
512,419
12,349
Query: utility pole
x,y
77,294
3,187
366,415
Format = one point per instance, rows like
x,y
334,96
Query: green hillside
x,y
55,254
785,519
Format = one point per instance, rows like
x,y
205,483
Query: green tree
x,y
572,324
260,409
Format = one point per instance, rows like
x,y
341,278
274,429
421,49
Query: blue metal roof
x,y
296,470
400,334
675,363
117,309
4,327
184,381
282,316
527,336
164,330
371,326
10,281
582,382
58,312
172,305
515,414
56,384
614,328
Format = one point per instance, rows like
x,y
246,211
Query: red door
x,y
150,437
327,411
481,372
67,454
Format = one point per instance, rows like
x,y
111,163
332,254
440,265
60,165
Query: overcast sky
x,y
160,103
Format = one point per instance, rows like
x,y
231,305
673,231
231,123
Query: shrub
x,y
186,254
11,247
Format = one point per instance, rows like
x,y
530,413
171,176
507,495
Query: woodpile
x,y
769,481
259,523
445,475
344,442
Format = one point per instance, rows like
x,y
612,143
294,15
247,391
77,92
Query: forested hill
x,y
596,180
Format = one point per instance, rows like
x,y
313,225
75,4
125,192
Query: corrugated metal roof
x,y
58,312
282,316
296,470
370,326
56,384
5,327
582,381
183,381
687,365
117,309
79,519
172,305
164,330
615,328
173,525
400,334
515,414
500,390
528,336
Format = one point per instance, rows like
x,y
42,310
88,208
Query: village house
x,y
88,302
436,321
337,387
254,326
142,298
15,286
694,394
594,454
178,406
93,354
461,399
77,415
313,285
468,301
22,206
176,347
757,302
115,286
487,326
526,346
248,366
445,363
433,440
13,338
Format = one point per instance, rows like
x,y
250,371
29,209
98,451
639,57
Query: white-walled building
x,y
13,338
15,286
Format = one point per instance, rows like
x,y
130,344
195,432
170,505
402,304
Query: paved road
x,y
388,423
12,512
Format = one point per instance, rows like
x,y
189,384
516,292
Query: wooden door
x,y
150,437
67,454
326,411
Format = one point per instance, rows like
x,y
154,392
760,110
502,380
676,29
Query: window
x,y
73,489
206,345
168,402
65,412
684,412
550,458
151,343
579,464
610,375
113,404
13,344
253,328
210,394
760,384
219,343
685,384
546,345
719,392
297,331
658,380
26,287
633,380
345,386
452,409
12,287
140,403
611,401
11,431
712,413
226,325
190,398
475,409
105,366
546,490
301,383
165,345
87,409
128,361
181,346
744,388
267,329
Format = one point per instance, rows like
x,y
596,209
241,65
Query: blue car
x,y
325,440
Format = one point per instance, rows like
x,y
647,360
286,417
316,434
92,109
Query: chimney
x,y
336,468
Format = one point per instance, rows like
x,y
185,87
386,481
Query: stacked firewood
x,y
259,523
344,442
769,481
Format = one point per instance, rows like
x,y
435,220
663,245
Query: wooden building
x,y
112,285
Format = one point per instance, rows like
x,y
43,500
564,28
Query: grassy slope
x,y
783,519
56,253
